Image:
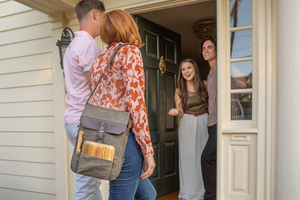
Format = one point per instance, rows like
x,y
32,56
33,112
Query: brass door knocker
x,y
162,65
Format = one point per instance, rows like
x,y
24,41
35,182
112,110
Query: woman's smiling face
x,y
188,71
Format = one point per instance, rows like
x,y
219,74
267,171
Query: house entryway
x,y
169,38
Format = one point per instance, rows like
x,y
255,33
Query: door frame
x,y
264,116
162,5
164,134
263,127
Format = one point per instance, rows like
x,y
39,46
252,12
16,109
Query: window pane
x,y
241,44
240,13
241,106
241,75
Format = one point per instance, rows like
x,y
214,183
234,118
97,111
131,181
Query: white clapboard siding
x,y
25,109
26,48
29,63
27,124
28,154
33,93
40,5
28,183
41,170
22,20
27,139
53,6
31,78
28,33
12,194
10,8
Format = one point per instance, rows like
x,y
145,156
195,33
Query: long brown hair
x,y
119,26
198,84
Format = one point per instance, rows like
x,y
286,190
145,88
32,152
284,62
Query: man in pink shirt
x,y
78,58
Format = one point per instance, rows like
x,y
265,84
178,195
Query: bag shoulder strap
x,y
102,74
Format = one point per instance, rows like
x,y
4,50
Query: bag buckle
x,y
101,132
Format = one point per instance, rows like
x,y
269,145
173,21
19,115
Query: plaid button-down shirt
x,y
212,97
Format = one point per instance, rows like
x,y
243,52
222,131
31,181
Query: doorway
x,y
160,93
181,20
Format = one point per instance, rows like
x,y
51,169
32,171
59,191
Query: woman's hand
x,y
173,112
149,167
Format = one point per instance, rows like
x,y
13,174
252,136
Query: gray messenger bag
x,y
101,140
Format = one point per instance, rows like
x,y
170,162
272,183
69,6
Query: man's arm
x,y
88,78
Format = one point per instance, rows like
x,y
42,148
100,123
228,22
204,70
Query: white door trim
x,y
162,5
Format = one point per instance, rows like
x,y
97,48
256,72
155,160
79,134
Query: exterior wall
x,y
27,131
288,109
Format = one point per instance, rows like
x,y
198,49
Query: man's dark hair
x,y
210,38
85,6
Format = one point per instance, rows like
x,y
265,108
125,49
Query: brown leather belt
x,y
195,113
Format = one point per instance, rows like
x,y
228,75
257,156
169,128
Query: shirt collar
x,y
84,33
212,71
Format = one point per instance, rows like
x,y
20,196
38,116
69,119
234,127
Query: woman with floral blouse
x,y
122,88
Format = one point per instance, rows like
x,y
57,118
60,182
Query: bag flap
x,y
110,115
97,124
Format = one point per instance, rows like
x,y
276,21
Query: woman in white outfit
x,y
191,107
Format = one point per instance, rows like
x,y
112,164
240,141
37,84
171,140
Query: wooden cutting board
x,y
98,150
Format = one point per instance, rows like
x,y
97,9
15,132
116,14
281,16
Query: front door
x,y
162,47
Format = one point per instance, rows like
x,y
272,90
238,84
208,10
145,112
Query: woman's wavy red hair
x,y
119,26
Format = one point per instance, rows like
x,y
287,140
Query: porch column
x,y
72,23
288,106
61,161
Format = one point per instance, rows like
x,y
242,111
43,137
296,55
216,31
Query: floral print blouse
x,y
122,88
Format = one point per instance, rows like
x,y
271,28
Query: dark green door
x,y
159,96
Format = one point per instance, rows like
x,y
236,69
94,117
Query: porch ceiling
x,y
50,7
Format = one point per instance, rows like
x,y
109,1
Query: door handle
x,y
162,65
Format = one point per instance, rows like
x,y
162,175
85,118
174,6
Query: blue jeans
x,y
86,188
129,185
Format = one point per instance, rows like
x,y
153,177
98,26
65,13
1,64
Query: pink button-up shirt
x,y
78,58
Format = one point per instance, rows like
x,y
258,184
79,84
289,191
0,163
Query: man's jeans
x,y
86,188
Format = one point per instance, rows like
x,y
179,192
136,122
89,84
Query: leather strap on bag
x,y
102,125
